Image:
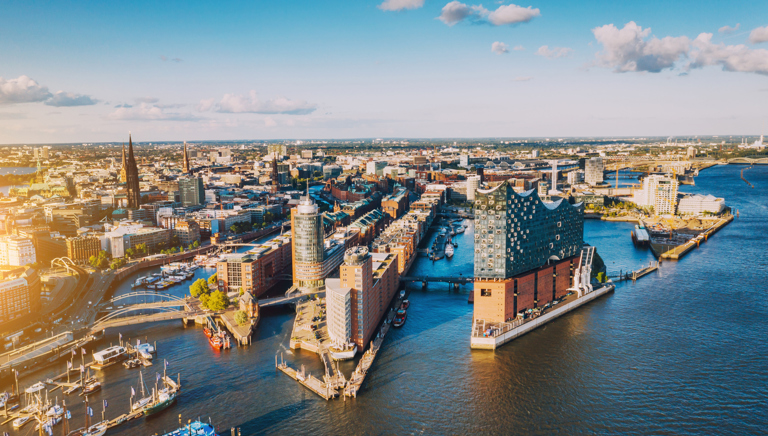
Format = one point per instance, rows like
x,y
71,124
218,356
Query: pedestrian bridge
x,y
143,307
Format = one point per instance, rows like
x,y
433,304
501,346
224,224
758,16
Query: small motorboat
x,y
449,251
208,333
55,411
35,388
91,388
132,363
400,317
402,293
21,422
404,305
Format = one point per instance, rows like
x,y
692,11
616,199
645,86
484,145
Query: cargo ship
x,y
640,236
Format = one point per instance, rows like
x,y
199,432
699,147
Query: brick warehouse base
x,y
502,299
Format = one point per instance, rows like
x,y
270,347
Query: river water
x,y
681,351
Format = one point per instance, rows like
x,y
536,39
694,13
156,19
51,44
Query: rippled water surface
x,y
682,351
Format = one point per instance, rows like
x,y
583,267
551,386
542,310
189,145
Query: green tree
x,y
204,300
198,288
241,317
242,291
130,252
601,277
218,301
196,244
117,263
214,279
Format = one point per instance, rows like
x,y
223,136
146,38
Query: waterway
x,y
680,352
14,170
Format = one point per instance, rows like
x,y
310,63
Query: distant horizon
x,y
86,73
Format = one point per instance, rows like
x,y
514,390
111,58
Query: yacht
x,y
449,251
21,422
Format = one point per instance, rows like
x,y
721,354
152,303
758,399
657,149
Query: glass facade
x,y
515,233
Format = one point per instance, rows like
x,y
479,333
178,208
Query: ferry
x,y
400,317
449,251
196,428
343,351
109,357
640,236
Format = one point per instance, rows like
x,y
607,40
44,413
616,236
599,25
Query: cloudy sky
x,y
92,71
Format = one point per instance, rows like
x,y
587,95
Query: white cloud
x,y
232,103
759,35
150,112
738,58
455,12
68,99
518,48
512,14
522,79
499,48
628,49
269,122
399,5
727,30
22,90
554,52
206,105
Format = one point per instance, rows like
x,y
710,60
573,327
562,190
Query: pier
x,y
679,251
321,388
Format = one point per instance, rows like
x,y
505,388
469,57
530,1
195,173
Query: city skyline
x,y
385,68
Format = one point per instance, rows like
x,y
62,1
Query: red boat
x,y
216,342
207,332
400,317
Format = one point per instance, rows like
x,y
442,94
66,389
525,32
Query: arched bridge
x,y
145,306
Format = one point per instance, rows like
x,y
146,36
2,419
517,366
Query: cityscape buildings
x,y
593,171
192,191
658,192
17,251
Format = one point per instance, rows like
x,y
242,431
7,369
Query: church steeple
x,y
132,178
123,175
186,159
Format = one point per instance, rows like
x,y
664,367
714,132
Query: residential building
x,y
258,269
361,296
375,168
187,231
19,293
17,251
524,251
658,192
81,248
395,205
593,171
473,183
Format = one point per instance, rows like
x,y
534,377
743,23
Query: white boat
x,y
146,347
449,251
50,422
55,411
343,352
97,429
35,388
31,409
109,356
142,403
21,422
460,230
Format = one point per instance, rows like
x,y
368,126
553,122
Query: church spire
x,y
186,159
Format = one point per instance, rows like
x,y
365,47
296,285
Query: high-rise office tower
x,y
307,246
192,191
593,171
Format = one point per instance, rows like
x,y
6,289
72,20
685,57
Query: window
x,y
485,292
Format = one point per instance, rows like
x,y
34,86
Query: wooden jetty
x,y
324,389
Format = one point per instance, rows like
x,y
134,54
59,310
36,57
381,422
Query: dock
x,y
508,331
679,251
241,333
358,377
314,384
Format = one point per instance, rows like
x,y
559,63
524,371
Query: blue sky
x,y
92,71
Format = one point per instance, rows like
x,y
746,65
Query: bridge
x,y
431,279
749,160
152,307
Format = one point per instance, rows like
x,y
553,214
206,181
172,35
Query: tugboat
x,y
400,317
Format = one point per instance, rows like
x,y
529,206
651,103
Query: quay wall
x,y
494,342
